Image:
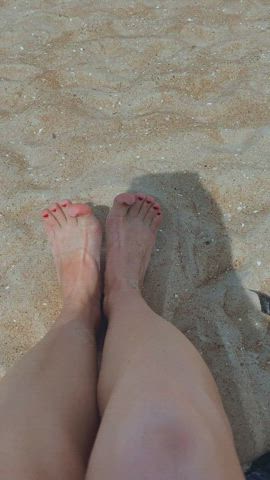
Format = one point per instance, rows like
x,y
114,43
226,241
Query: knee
x,y
157,434
168,429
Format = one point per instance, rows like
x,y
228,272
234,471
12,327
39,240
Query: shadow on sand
x,y
192,283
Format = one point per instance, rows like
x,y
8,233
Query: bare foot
x,y
75,237
131,230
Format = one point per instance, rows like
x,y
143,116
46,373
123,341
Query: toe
x,y
156,221
147,204
151,214
122,203
49,220
136,207
82,215
58,213
65,203
45,214
78,210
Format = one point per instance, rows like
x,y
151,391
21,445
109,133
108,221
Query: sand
x,y
166,97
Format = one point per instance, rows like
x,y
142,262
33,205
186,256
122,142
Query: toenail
x,y
156,208
54,209
158,213
148,201
64,204
45,215
140,198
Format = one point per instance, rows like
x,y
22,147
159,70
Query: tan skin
x,y
161,413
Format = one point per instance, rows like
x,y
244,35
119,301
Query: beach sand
x,y
166,97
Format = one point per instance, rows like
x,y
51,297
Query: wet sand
x,y
169,98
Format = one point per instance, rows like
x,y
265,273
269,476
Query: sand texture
x,y
166,97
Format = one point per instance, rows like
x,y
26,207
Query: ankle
x,y
75,308
119,294
79,298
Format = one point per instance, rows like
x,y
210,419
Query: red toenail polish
x,y
140,198
64,204
155,208
45,215
158,213
148,201
54,209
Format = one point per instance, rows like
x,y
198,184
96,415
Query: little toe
x,y
49,220
147,204
58,213
122,203
156,221
152,212
136,207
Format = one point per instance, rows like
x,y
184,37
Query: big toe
x,y
83,215
122,203
79,209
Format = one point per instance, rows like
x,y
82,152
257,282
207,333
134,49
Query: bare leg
x,y
162,416
48,411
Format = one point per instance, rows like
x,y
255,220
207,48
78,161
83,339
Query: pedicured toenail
x,y
156,208
148,201
140,198
64,204
158,213
45,215
54,209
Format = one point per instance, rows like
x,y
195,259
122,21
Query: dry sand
x,y
167,97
